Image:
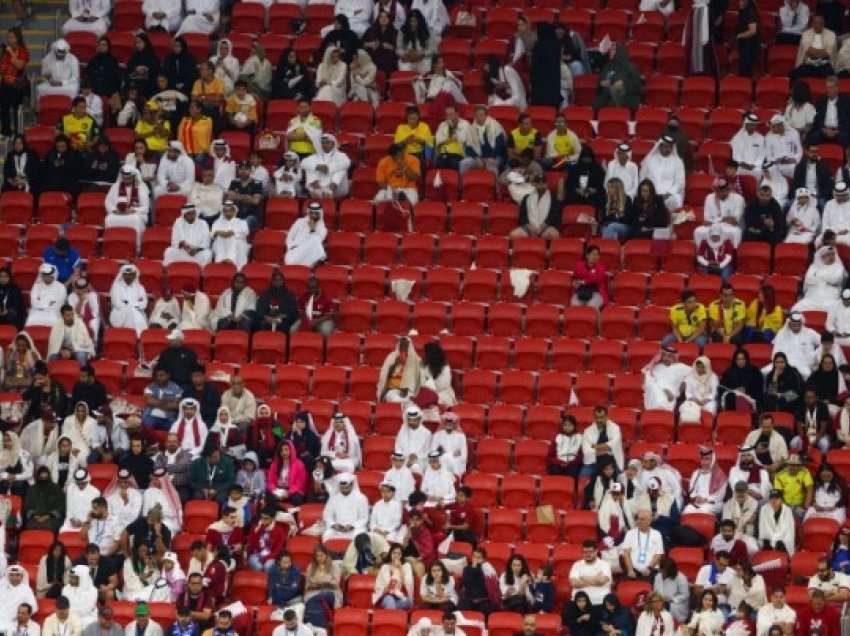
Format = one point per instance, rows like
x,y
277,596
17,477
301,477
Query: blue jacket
x,y
284,585
65,265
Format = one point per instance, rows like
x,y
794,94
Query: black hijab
x,y
342,37
825,383
546,68
181,68
103,71
748,378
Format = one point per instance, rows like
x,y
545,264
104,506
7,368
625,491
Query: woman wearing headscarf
x,y
190,427
53,570
11,301
21,169
180,67
287,477
361,79
46,298
62,462
103,163
823,282
304,437
129,300
291,79
380,42
439,88
741,377
173,574
701,385
399,377
44,505
613,615
61,168
225,65
415,44
143,65
783,386
331,77
502,84
764,316
583,184
620,83
546,68
16,466
828,382
82,594
224,434
102,71
341,443
81,428
341,37
20,363
580,617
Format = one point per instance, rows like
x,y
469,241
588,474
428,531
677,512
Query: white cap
x,y
345,478
777,119
795,316
47,268
801,192
751,118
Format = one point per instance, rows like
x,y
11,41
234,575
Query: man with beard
x,y
175,461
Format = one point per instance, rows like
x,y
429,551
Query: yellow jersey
x,y
422,131
686,324
737,313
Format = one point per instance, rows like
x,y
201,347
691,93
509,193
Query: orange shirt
x,y
196,136
387,172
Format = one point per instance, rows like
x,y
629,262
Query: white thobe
x,y
305,246
32,440
386,516
768,615
129,305
773,530
415,442
66,72
233,248
825,499
170,516
358,12
78,505
786,145
78,9
225,172
82,601
699,487
745,515
762,488
137,219
455,451
195,315
403,480
821,288
82,436
836,217
226,69
45,303
590,438
123,512
162,307
207,199
180,172
93,303
748,149
809,218
628,174
105,533
13,596
776,445
439,484
660,379
317,183
193,235
195,20
335,77
838,322
346,510
171,9
715,209
668,176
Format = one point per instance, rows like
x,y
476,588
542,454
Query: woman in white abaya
x,y
331,78
226,65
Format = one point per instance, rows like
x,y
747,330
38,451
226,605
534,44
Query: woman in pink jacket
x,y
287,478
590,280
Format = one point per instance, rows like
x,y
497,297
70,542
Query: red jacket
x,y
828,619
267,543
597,276
217,581
423,541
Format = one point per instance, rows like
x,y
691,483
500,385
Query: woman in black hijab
x,y
380,42
180,67
584,182
102,71
138,463
103,163
20,171
546,68
580,617
11,300
827,381
342,37
62,167
143,66
44,506
291,79
783,386
740,376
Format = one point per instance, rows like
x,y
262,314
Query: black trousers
x,y
10,98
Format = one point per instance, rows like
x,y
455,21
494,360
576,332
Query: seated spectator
x,y
591,576
190,239
128,203
143,160
823,282
277,309
153,128
837,319
438,88
539,213
515,585
103,164
826,380
727,317
321,586
579,616
20,169
394,586
79,127
62,167
590,280
195,130
643,547
102,70
648,212
602,439
663,376
236,306
331,77
89,390
816,52
47,297
265,542
284,583
776,525
562,147
178,359
449,139
362,79
248,196
288,178
623,168
617,213
166,311
793,18
69,338
61,72
208,89
241,107
110,439
783,383
803,218
715,253
748,146
836,215
207,196
666,170
832,117
415,135
416,45
317,311
776,613
763,218
524,137
722,207
700,389
818,616
689,321
20,363
381,38
397,176
212,475
565,451
162,398
841,551
176,172
240,402
326,171
800,113
257,71
620,83
795,481
708,617
520,174
829,496
229,236
162,15
304,131
502,84
782,146
486,145
583,185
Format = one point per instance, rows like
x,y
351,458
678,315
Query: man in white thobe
x,y
230,237
162,14
202,16
751,473
838,319
176,172
161,492
707,486
190,239
799,344
128,202
413,439
305,239
665,169
724,207
46,298
358,12
207,196
15,590
88,15
129,300
224,168
623,168
836,215
78,500
438,484
346,513
782,146
452,443
662,380
61,72
400,477
748,147
386,517
326,171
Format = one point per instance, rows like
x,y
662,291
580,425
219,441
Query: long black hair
x,y
421,35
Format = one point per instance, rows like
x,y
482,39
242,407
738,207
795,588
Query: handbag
x,y
585,291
